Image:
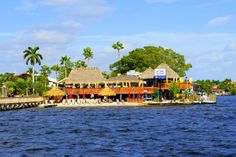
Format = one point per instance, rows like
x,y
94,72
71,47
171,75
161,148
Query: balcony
x,y
126,90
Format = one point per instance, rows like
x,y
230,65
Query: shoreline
x,y
114,104
86,105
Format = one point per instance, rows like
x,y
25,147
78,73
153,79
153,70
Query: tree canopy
x,y
88,54
118,46
150,56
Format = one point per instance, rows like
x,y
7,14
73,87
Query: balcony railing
x,y
125,90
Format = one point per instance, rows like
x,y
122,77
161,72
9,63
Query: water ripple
x,y
198,130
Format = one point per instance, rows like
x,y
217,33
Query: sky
x,y
204,31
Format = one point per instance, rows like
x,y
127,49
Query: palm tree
x,y
55,68
80,63
65,61
45,71
88,54
33,57
118,46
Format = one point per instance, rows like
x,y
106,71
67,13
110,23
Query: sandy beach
x,y
114,104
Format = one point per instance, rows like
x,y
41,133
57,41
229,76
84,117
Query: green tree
x,y
21,86
80,63
225,85
118,46
150,56
205,86
88,54
45,72
39,85
173,89
65,60
56,68
32,56
7,77
105,75
10,86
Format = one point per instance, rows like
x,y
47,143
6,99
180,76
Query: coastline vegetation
x,y
138,59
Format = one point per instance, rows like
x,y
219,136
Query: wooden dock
x,y
19,103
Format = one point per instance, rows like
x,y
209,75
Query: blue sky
x,y
202,30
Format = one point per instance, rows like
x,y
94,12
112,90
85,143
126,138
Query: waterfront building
x,y
88,82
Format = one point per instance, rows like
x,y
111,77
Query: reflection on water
x,y
199,130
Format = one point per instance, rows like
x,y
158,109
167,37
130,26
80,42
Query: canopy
x,y
107,92
55,92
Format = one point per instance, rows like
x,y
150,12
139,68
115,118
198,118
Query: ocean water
x,y
194,130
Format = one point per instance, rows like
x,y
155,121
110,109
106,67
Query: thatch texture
x,y
107,92
147,74
85,75
55,92
123,78
170,73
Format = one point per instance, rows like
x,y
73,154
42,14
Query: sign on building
x,y
160,73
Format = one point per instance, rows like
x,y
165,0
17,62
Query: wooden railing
x,y
125,90
167,85
13,100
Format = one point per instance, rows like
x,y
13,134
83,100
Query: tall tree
x,y
45,71
32,56
55,68
80,63
118,46
88,54
150,56
65,61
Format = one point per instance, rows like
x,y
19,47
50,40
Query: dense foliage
x,y
173,89
227,85
19,86
150,56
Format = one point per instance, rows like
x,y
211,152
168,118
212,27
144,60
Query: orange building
x,y
88,82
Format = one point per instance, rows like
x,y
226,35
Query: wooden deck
x,y
19,102
125,90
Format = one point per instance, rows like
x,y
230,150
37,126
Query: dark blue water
x,y
198,130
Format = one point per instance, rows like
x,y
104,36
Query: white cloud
x,y
82,8
28,5
72,24
51,36
90,11
71,8
231,47
221,20
160,1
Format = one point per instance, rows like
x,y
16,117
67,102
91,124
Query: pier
x,y
15,103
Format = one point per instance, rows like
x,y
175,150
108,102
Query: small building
x,y
52,82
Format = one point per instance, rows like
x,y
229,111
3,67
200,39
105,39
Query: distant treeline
x,y
227,85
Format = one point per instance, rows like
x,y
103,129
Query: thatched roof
x,y
170,73
55,92
85,75
147,74
107,92
123,78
